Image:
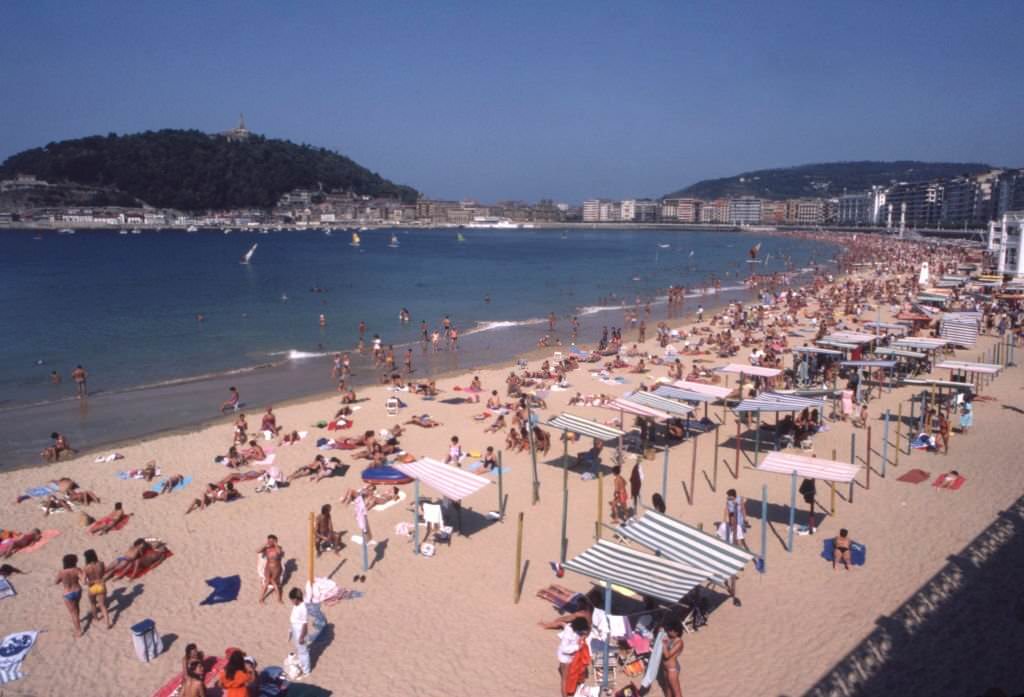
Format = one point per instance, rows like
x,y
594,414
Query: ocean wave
x,y
296,355
594,309
503,324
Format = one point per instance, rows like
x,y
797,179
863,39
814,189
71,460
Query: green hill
x,y
824,179
192,171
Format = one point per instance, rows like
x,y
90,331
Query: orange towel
x,y
576,672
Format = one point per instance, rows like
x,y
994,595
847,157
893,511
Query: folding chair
x,y
433,516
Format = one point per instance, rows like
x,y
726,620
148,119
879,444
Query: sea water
x,y
165,321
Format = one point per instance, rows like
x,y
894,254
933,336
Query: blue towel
x,y
225,589
503,470
654,664
181,485
40,491
858,552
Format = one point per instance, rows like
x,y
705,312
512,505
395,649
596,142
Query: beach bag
x,y
629,690
146,641
292,669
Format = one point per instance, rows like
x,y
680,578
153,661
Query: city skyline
x,y
571,102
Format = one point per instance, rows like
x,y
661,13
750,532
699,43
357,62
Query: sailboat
x,y
248,255
394,241
664,246
753,254
459,237
355,239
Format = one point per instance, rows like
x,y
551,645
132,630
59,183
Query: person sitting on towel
x,y
255,452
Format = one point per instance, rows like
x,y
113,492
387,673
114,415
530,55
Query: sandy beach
x,y
937,608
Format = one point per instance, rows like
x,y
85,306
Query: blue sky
x,y
532,99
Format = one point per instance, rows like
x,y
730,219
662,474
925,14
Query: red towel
x,y
952,486
914,476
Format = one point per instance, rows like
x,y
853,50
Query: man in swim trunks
x,y
80,376
269,422
69,578
325,534
620,496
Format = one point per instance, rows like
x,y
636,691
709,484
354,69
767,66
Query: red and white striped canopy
x,y
700,388
624,405
809,467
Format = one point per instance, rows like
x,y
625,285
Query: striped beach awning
x,y
902,353
684,395
809,467
851,337
963,333
453,482
774,401
868,364
817,350
654,577
680,542
624,405
962,316
584,427
754,370
655,401
928,382
838,344
703,388
968,367
889,327
921,342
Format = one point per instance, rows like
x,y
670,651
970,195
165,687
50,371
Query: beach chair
x,y
391,405
432,515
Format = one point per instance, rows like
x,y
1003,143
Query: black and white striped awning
x,y
656,401
680,542
654,577
584,427
773,401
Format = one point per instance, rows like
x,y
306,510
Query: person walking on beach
x,y
93,572
620,496
80,376
299,633
408,361
735,519
69,578
642,331
232,401
808,490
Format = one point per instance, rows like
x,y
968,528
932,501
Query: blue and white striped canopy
x,y
654,577
684,395
584,427
656,401
680,542
773,401
868,364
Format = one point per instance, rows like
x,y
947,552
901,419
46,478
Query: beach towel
x,y
177,487
109,458
265,462
142,572
914,476
13,650
225,589
657,648
106,519
44,537
41,491
858,552
134,474
949,481
922,442
6,589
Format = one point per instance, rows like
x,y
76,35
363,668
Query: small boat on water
x,y
355,239
136,231
123,232
227,231
664,246
459,237
394,241
65,231
247,257
191,228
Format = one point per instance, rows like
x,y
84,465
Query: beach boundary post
x,y
714,466
366,551
764,526
416,518
664,471
853,460
885,443
693,472
832,486
757,438
312,546
913,420
533,454
517,588
565,499
899,434
737,448
792,511
600,507
607,642
867,460
501,492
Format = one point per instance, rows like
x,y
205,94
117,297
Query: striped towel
x,y
13,650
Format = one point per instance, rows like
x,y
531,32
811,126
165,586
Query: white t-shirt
x,y
568,644
299,618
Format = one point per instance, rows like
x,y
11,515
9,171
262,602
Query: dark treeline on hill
x,y
193,171
825,179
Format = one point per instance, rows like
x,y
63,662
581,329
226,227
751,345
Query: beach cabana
x,y
569,423
960,328
704,389
675,540
810,468
774,402
969,367
754,370
888,327
655,577
813,357
451,482
864,365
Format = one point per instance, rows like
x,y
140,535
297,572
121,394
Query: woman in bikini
x,y
841,553
93,571
254,452
69,578
273,571
670,658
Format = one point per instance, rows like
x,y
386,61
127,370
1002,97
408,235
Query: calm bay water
x,y
125,307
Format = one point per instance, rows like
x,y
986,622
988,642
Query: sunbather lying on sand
x,y
82,496
254,452
168,484
54,504
110,521
142,555
499,423
21,542
309,470
425,421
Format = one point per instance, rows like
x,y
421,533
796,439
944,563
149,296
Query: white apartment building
x,y
1005,242
745,210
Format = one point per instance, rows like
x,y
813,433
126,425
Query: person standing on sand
x,y
69,579
620,497
273,571
408,361
93,572
299,621
670,658
80,376
642,331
